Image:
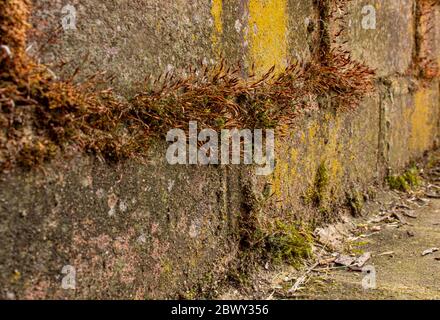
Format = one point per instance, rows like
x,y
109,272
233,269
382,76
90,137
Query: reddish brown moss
x,y
39,115
14,15
425,66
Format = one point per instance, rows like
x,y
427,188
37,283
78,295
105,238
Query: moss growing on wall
x,y
318,194
355,201
58,114
277,243
405,181
14,15
289,243
321,185
425,65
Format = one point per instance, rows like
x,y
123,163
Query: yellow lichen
x,y
422,120
217,16
267,34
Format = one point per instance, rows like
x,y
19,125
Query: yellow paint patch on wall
x,y
267,34
423,121
217,16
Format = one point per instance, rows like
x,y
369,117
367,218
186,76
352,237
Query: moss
x,y
355,201
406,181
275,241
356,247
33,154
412,176
205,288
190,294
14,15
317,194
289,244
361,243
357,251
321,182
397,183
97,121
167,267
220,122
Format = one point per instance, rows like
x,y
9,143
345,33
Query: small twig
x,y
303,278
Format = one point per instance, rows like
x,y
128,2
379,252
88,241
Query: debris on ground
x,y
352,262
410,214
362,260
399,217
430,251
327,261
344,249
333,236
419,202
302,279
386,253
345,260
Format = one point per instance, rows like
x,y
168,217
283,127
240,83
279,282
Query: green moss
x,y
355,201
356,247
275,241
191,294
398,183
167,267
317,194
289,244
322,181
91,118
406,181
220,122
357,251
412,176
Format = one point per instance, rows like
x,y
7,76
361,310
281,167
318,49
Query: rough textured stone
x,y
410,121
130,231
389,47
437,32
151,230
135,39
131,39
302,25
344,144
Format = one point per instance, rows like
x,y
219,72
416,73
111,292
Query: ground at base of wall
x,y
398,239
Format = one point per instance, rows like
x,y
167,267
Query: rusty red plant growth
x,y
41,116
425,66
220,98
